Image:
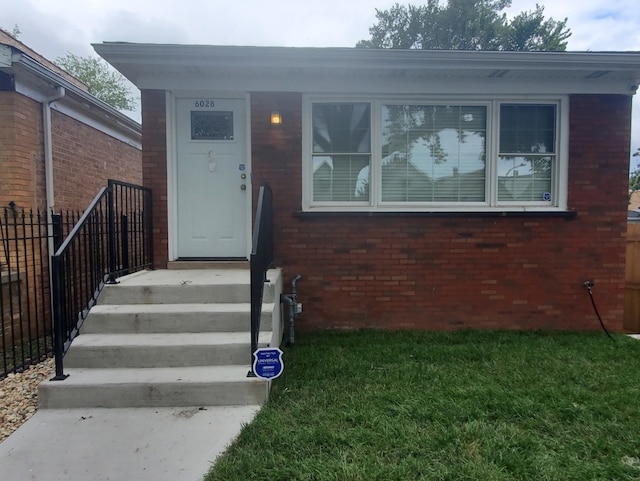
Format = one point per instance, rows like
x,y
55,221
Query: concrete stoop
x,y
168,338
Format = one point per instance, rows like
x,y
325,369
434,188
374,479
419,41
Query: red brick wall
x,y
443,272
85,158
154,169
21,151
439,272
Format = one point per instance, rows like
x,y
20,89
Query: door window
x,y
209,125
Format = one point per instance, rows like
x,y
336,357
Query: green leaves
x,y
106,84
466,25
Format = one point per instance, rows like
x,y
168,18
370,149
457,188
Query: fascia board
x,y
232,56
382,85
92,102
5,56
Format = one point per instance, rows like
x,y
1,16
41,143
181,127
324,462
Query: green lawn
x,y
372,405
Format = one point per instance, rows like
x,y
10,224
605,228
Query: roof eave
x,y
43,72
134,59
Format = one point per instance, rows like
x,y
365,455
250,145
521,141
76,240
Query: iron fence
x,y
52,269
27,238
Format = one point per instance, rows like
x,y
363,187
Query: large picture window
x,y
397,155
433,153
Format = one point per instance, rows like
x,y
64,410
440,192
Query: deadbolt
x,y
243,187
243,176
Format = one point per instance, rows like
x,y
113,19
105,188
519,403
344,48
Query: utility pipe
x,y
48,149
291,300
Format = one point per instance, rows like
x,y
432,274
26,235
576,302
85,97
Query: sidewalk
x,y
141,444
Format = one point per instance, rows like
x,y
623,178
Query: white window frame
x,y
560,166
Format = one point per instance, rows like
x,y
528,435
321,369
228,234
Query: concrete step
x,y
187,286
162,350
206,264
153,387
173,318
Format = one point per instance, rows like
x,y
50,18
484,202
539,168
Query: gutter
x,y
41,71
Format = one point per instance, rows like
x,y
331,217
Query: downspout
x,y
48,184
48,154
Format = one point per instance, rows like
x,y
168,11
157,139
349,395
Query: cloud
x,y
51,35
607,14
128,26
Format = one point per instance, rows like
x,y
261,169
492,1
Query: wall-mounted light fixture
x,y
276,118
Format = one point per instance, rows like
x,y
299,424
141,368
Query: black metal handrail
x,y
261,259
112,238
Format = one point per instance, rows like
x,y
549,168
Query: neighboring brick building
x,y
412,189
89,141
58,147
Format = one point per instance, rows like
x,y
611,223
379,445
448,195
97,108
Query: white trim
x,y
133,141
172,184
249,172
562,172
338,69
69,108
491,204
356,83
307,134
493,137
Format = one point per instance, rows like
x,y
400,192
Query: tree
x,y
466,25
14,32
104,83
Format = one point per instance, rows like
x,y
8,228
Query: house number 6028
x,y
204,103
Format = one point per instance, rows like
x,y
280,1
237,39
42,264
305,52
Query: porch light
x,y
276,118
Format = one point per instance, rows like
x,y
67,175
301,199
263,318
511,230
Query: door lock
x,y
243,187
243,176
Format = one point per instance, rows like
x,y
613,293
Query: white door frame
x,y
171,98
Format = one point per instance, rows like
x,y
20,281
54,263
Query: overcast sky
x,y
53,28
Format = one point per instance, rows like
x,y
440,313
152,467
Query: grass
x,y
374,405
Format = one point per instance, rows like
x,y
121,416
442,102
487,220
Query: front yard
x,y
469,405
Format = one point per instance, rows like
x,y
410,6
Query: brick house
x,y
58,143
412,189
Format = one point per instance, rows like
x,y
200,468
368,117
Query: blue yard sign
x,y
267,362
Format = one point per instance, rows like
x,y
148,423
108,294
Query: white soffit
x,y
347,69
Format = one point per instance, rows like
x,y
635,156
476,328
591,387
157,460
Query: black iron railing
x,y
261,260
26,239
112,238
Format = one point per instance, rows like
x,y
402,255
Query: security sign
x,y
267,362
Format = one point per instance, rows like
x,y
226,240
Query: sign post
x,y
267,363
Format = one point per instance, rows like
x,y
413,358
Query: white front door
x,y
212,178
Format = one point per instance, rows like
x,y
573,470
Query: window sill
x,y
567,214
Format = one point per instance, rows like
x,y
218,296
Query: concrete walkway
x,y
133,444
